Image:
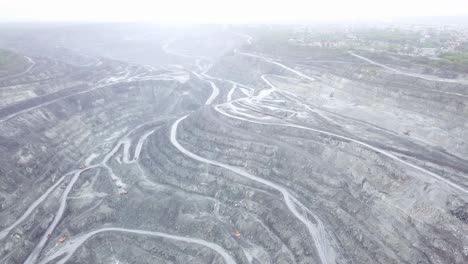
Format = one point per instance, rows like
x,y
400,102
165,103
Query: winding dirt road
x,y
32,63
317,231
73,244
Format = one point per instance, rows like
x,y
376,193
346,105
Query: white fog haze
x,y
225,11
234,131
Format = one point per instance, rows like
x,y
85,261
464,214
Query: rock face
x,y
230,154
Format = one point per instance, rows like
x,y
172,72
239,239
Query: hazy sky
x,y
224,10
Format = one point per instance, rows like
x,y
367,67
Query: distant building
x,y
429,52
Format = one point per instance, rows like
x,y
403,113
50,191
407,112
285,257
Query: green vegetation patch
x,y
460,58
277,37
6,57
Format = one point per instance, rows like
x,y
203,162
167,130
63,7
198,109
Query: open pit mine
x,y
129,144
